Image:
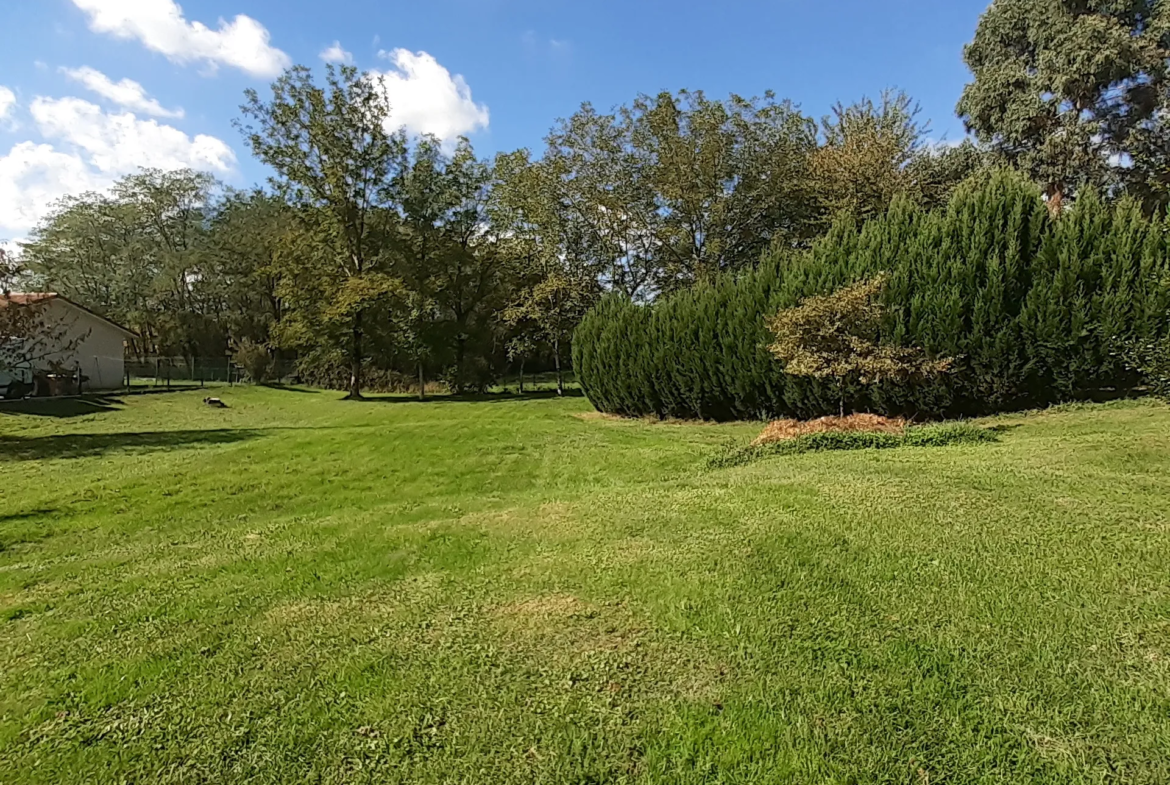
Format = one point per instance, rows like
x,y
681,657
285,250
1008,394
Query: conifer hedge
x,y
1033,310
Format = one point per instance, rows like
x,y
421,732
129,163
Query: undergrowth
x,y
938,435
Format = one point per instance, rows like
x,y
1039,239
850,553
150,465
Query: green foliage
x,y
254,359
555,274
1068,90
1032,312
1151,358
837,337
940,435
864,162
139,256
334,160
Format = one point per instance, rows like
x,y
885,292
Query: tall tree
x,y
674,188
449,265
864,160
238,265
1070,91
557,277
135,256
334,158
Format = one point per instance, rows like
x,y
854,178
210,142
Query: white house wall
x,y
100,350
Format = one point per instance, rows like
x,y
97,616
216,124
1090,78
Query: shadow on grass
x,y
87,445
27,515
61,407
500,397
287,388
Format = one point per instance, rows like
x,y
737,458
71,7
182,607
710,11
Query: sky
x,y
90,90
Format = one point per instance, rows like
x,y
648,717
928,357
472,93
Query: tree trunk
x,y
521,375
422,383
355,368
557,359
1055,193
460,356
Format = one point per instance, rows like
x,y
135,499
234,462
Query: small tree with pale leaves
x,y
836,337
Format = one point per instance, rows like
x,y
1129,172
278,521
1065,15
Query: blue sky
x,y
91,89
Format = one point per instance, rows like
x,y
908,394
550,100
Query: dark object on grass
x,y
215,402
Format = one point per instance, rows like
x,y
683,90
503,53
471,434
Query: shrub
x,y
1151,359
254,359
837,338
1031,310
331,372
939,435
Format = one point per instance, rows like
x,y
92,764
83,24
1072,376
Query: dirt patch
x,y
567,625
783,430
587,416
314,613
543,609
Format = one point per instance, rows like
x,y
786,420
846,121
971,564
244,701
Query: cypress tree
x,y
1032,309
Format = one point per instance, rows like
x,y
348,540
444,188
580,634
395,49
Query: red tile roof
x,y
27,298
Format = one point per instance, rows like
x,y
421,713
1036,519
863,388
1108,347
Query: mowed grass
x,y
300,589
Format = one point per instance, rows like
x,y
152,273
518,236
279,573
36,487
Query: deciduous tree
x,y
835,337
334,158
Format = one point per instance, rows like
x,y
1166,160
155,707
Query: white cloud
x,y
536,45
120,143
33,176
336,54
7,101
87,149
426,99
127,92
159,24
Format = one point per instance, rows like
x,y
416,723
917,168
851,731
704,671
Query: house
x,y
92,348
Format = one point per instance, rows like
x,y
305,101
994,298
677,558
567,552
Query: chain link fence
x,y
98,374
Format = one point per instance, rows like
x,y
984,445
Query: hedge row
x,y
1033,310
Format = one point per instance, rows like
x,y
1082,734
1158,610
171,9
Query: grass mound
x,y
785,430
938,435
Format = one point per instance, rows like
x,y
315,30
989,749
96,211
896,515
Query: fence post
x,y
157,371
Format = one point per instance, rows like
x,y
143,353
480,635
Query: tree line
x,y
372,258
988,304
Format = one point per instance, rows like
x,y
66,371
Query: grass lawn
x,y
299,589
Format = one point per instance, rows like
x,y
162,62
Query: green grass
x,y
299,589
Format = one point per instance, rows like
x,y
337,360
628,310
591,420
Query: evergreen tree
x,y
1072,92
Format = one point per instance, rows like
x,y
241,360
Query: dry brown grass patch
x,y
543,609
783,430
601,416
